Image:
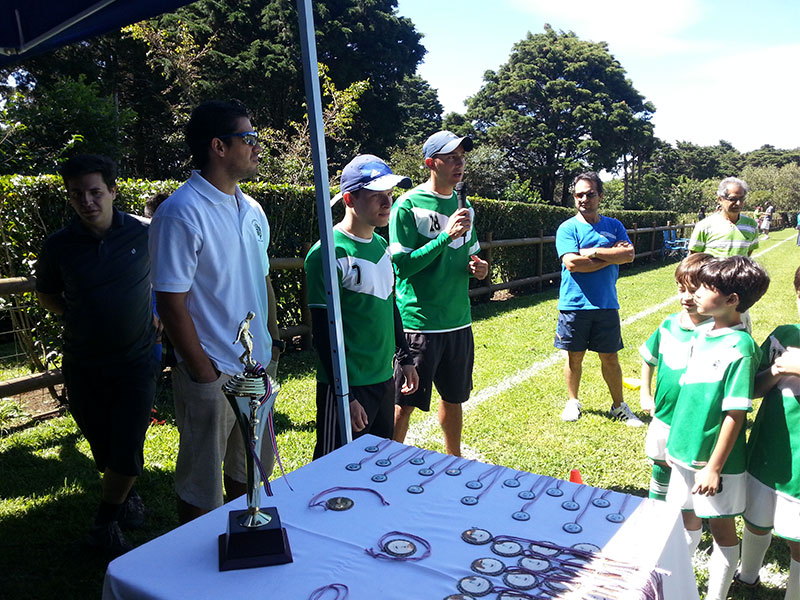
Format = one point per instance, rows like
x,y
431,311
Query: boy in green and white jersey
x,y
370,320
773,461
707,440
668,351
434,246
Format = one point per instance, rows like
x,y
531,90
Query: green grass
x,y
49,488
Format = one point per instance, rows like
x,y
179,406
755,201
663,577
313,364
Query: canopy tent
x,y
36,26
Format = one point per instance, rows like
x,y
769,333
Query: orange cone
x,y
575,476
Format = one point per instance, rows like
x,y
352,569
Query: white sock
x,y
692,537
793,585
754,548
721,568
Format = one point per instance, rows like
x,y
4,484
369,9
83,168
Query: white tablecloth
x,y
330,547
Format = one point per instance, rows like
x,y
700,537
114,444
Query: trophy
x,y
254,537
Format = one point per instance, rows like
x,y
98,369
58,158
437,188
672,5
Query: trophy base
x,y
248,547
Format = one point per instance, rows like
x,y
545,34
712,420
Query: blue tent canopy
x,y
32,27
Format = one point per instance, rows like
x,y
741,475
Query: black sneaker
x,y
132,514
108,538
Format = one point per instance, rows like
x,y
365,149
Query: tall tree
x,y
553,107
420,111
244,49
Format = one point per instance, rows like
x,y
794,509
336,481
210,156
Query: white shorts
x,y
730,502
655,444
767,508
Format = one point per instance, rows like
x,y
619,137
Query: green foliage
x,y
50,123
779,185
421,111
244,49
559,106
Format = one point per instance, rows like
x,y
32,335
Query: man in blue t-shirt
x,y
591,248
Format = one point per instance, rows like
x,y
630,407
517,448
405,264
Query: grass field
x,y
49,488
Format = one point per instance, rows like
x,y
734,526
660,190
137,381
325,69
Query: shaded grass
x,y
49,487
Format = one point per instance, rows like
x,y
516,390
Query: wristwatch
x,y
279,344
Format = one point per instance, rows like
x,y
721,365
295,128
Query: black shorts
x,y
112,407
597,330
442,359
378,402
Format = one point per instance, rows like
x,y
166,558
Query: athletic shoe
x,y
623,412
132,514
108,538
572,411
737,580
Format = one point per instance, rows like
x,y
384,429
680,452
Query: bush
x,y
35,207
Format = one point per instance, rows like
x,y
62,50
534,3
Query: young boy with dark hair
x,y
668,351
773,461
366,287
707,440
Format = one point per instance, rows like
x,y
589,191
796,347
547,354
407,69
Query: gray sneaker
x,y
624,413
572,410
132,514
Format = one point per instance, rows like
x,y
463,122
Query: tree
x,y
48,124
420,111
553,108
243,49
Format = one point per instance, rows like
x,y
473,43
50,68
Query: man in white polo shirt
x,y
208,243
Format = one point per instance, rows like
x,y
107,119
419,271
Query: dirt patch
x,y
39,404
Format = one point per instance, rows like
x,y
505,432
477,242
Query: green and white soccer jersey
x,y
432,276
720,238
718,378
774,445
668,350
366,280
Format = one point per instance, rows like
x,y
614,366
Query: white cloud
x,y
653,28
747,98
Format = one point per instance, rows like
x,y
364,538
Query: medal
x,y
520,515
534,565
398,545
374,450
519,580
475,585
488,566
339,503
507,548
469,500
476,536
415,489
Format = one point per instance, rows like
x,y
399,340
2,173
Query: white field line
x,y
419,432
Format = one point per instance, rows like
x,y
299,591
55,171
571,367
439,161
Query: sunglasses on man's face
x,y
589,195
248,137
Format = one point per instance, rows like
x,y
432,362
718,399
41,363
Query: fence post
x,y
540,261
653,243
487,282
635,235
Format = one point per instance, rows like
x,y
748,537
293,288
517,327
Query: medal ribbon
x,y
342,591
379,553
317,500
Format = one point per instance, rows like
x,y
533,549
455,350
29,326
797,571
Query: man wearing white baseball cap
x,y
373,332
434,246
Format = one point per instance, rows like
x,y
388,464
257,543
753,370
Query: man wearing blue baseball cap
x,y
366,288
433,247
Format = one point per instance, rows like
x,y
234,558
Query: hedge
x,y
35,207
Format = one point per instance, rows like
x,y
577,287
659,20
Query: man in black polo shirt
x,y
96,273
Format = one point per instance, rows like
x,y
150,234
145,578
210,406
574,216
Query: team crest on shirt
x,y
258,230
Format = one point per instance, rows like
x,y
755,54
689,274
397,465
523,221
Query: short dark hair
x,y
686,272
84,164
211,119
153,202
797,280
591,177
738,275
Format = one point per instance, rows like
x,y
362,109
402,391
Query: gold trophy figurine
x,y
255,537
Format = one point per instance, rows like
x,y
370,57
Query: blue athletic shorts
x,y
596,330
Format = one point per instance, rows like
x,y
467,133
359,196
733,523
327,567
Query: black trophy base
x,y
246,547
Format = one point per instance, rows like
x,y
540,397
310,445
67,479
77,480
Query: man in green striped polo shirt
x,y
727,232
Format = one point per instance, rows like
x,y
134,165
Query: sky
x,y
715,70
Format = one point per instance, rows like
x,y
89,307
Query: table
x,y
331,547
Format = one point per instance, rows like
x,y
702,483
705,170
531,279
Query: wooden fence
x,y
47,379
